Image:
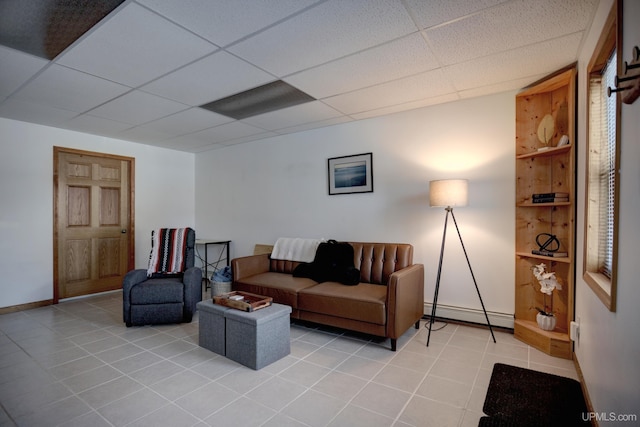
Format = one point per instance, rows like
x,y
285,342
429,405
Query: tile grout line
x,y
100,317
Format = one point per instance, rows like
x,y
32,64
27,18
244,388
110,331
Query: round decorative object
x,y
546,323
546,128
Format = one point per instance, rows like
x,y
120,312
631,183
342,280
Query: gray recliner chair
x,y
163,298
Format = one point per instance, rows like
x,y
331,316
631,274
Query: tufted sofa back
x,y
376,261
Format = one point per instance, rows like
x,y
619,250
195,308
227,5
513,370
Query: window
x,y
602,166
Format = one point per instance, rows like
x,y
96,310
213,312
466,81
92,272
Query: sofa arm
x,y
405,299
249,265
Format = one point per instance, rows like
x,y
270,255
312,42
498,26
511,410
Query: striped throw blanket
x,y
168,251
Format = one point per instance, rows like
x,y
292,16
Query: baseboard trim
x,y
470,315
80,297
37,304
27,306
585,392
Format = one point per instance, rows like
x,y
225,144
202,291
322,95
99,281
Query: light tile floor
x,y
76,364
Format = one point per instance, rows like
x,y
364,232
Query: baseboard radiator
x,y
470,315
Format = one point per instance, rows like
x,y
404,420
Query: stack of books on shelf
x,y
549,197
549,253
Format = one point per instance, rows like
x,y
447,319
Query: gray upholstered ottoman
x,y
258,338
211,329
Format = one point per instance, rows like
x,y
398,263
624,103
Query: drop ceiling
x,y
143,71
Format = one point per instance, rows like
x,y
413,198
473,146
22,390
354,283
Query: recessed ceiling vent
x,y
47,27
262,99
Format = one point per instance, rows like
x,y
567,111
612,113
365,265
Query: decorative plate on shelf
x,y
546,128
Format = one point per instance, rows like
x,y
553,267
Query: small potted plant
x,y
548,283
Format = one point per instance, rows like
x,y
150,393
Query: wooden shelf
x,y
547,258
546,153
542,205
551,170
555,343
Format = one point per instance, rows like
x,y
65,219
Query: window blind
x,y
607,171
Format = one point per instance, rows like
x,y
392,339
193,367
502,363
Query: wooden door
x,y
93,222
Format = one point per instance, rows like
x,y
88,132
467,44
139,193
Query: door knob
x,y
124,231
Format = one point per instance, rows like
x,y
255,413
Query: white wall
x,y
164,192
609,342
256,192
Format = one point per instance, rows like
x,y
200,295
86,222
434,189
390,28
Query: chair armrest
x,y
249,266
405,299
131,279
192,280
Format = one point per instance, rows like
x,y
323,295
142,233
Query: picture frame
x,y
350,174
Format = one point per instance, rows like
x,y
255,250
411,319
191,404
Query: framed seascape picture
x,y
351,174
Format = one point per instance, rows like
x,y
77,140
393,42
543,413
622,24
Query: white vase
x,y
546,323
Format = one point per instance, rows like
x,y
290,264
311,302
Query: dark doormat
x,y
522,397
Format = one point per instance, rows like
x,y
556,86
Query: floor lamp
x,y
450,193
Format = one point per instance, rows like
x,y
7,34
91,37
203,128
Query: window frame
x,y
610,41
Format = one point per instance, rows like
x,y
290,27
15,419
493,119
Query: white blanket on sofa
x,y
295,249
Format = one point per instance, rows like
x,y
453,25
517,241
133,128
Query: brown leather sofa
x,y
387,302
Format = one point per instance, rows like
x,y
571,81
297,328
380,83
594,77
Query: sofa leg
x,y
393,344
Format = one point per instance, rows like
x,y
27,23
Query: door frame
x,y
131,163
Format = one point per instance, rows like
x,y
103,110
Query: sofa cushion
x,y
158,291
364,301
283,288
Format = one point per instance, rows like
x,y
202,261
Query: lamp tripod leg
x,y
472,275
435,295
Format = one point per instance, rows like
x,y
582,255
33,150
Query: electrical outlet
x,y
574,332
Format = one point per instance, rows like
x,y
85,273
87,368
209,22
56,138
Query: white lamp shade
x,y
448,192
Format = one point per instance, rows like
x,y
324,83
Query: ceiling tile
x,y
137,107
293,116
434,12
188,121
142,134
17,68
198,144
425,85
450,97
361,58
328,31
214,77
204,148
515,64
135,46
226,132
508,26
34,112
95,125
184,143
250,138
69,89
516,85
222,21
399,58
315,125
